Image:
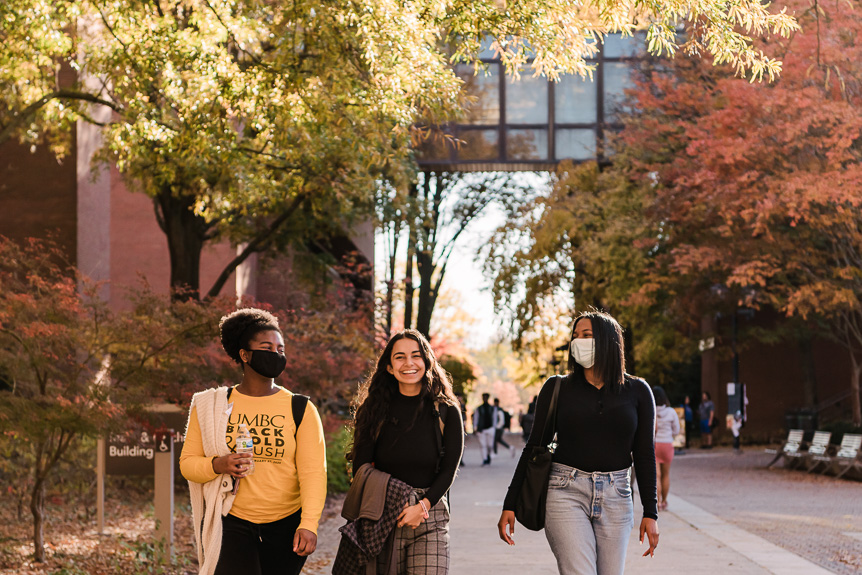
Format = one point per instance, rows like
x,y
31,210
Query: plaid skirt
x,y
424,550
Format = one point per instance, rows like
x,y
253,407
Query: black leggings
x,y
259,548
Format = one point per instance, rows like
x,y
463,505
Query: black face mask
x,y
267,363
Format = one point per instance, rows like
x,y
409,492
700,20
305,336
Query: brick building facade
x,y
111,234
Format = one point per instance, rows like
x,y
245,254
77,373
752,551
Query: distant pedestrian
x,y
501,422
735,430
605,420
483,427
689,419
666,428
397,429
706,412
527,419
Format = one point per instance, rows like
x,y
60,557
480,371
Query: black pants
x,y
259,548
498,438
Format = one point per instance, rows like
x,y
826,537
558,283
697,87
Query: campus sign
x,y
133,453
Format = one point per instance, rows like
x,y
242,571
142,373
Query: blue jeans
x,y
588,520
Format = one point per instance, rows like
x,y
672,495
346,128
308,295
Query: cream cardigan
x,y
212,500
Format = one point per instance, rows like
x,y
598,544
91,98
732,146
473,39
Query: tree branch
x,y
27,113
255,245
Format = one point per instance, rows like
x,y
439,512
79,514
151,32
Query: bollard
x,y
100,486
164,495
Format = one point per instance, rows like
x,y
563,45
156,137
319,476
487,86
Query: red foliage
x,y
745,173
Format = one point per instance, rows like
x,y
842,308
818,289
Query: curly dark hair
x,y
238,328
371,405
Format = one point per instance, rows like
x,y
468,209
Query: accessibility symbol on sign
x,y
163,439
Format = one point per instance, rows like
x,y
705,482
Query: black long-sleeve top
x,y
598,430
407,449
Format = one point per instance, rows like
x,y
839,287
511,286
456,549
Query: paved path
x,y
814,516
728,515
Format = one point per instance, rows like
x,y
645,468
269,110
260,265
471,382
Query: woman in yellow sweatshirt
x,y
255,517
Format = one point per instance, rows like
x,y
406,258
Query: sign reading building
x,y
133,452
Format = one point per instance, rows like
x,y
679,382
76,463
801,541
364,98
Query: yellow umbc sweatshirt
x,y
288,474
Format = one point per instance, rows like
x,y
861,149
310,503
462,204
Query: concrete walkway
x,y
692,539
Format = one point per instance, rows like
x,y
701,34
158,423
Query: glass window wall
x,y
533,119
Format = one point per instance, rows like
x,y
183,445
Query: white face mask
x,y
583,351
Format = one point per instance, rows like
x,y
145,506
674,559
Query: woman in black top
x,y
605,421
397,428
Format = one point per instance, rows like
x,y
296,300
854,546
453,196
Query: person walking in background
x,y
605,421
527,419
501,418
483,427
462,407
689,419
706,412
397,428
666,428
266,522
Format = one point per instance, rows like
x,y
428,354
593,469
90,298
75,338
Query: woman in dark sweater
x,y
398,429
605,421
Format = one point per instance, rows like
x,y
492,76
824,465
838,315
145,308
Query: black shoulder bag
x,y
530,505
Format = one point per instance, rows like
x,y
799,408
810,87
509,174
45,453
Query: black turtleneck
x,y
407,449
599,430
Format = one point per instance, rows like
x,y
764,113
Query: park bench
x,y
848,454
790,449
817,453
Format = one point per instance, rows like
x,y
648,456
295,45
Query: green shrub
x,y
337,466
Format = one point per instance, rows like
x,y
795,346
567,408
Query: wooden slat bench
x,y
847,456
790,449
818,451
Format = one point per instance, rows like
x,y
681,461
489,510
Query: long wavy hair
x,y
371,406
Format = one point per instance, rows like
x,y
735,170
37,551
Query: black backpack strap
x,y
439,414
229,391
297,406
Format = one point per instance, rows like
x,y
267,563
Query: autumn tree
x,y
463,373
721,194
756,187
441,209
75,369
393,208
265,122
583,244
72,368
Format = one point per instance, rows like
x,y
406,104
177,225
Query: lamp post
x,y
736,396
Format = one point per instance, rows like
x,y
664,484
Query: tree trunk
x,y
427,293
408,286
809,377
390,281
37,508
186,233
258,244
408,271
20,511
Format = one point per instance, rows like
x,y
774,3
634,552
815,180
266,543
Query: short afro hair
x,y
239,327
